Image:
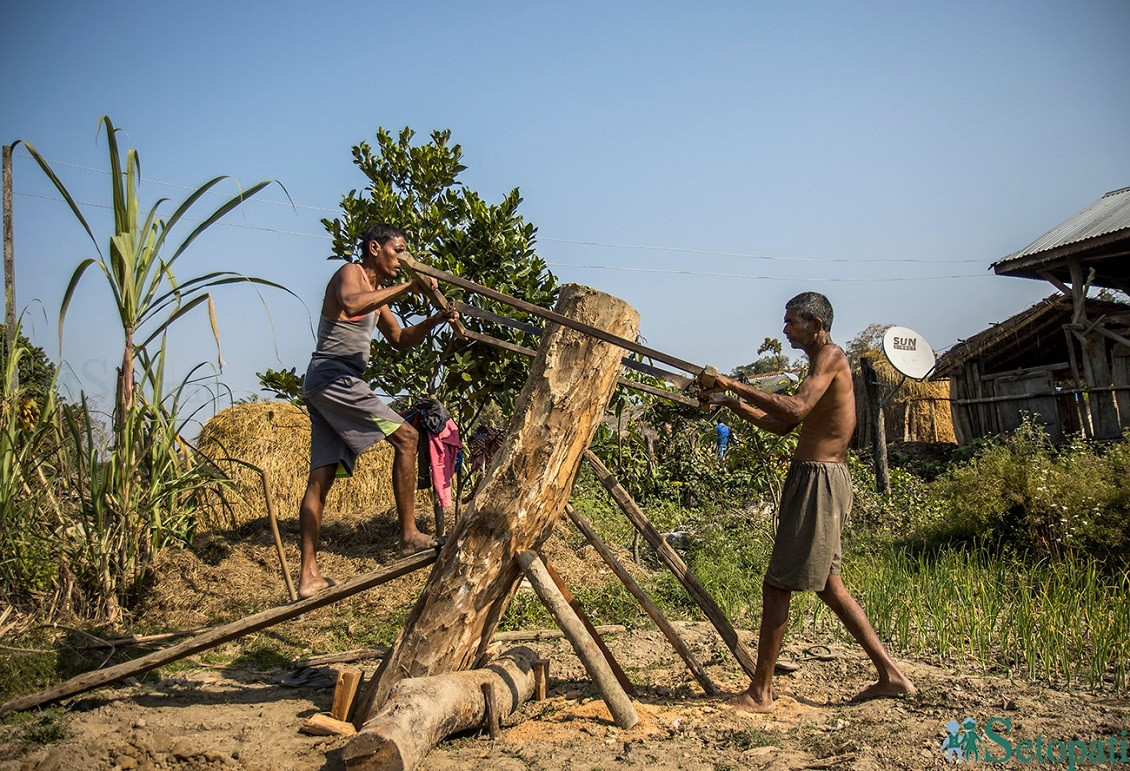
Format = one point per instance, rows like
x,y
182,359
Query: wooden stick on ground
x,y
218,635
650,607
674,563
618,703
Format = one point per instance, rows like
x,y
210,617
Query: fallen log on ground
x,y
421,711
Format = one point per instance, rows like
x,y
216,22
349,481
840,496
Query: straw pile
x,y
275,437
916,412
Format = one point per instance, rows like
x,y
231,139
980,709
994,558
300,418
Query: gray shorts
x,y
346,419
815,503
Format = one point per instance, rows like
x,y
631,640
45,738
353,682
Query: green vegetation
x,y
81,518
416,187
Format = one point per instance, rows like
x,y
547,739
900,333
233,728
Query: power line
x,y
853,260
759,278
601,244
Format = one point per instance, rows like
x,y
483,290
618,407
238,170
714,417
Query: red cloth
x,y
443,450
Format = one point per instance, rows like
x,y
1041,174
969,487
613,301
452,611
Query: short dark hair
x,y
382,233
812,306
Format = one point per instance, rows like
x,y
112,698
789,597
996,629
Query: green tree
x,y
416,187
773,361
869,340
36,372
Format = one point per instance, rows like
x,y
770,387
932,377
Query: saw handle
x,y
708,377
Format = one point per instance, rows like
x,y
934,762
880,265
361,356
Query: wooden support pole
x,y
421,711
673,562
877,426
645,602
618,703
593,631
219,635
9,269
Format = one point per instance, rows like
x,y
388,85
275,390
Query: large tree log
x,y
422,711
521,496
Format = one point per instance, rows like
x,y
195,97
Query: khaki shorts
x,y
815,504
346,419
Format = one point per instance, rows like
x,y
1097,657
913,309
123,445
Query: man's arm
x,y
780,413
355,296
403,338
759,418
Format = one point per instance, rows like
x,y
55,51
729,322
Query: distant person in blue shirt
x,y
723,439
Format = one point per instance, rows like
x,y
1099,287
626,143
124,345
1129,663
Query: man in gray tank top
x,y
346,417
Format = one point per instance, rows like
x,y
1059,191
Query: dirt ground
x,y
224,712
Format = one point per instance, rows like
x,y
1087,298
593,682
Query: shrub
x,y
1022,491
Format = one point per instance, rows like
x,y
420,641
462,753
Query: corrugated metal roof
x,y
1109,214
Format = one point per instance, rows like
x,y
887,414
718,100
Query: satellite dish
x,y
908,352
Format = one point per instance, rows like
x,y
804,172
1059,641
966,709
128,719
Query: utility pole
x,y
9,269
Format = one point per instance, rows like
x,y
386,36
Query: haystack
x,y
916,412
275,437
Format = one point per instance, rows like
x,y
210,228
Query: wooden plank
x,y
645,602
348,679
674,563
617,701
219,635
548,315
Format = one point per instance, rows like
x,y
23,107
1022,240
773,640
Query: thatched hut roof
x,y
1034,337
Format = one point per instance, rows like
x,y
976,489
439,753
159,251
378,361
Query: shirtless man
x,y
346,417
815,501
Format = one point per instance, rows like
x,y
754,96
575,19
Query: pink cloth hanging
x,y
443,450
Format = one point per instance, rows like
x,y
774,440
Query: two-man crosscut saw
x,y
775,382
702,375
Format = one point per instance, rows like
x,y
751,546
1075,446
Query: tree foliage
x,y
451,227
36,372
774,360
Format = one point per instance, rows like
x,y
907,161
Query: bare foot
x,y
417,543
892,689
308,588
746,702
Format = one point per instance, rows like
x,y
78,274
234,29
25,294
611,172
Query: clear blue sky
x,y
883,153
